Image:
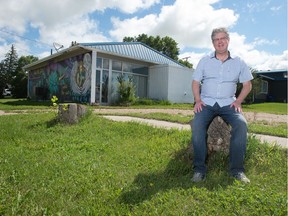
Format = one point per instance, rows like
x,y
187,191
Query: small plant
x,y
54,101
126,90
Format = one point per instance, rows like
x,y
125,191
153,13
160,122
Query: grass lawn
x,y
100,167
23,104
260,127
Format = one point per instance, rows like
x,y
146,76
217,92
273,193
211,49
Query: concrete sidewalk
x,y
170,125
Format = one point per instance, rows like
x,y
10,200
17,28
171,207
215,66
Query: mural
x,y
69,80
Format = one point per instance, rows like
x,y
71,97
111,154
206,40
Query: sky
x,y
258,28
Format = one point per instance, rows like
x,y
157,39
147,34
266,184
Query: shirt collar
x,y
213,55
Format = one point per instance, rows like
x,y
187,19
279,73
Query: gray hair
x,y
218,30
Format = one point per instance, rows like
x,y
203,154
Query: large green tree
x,y
20,78
256,85
166,45
2,79
8,68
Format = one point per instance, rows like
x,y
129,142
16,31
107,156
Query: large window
x,y
264,87
138,72
109,87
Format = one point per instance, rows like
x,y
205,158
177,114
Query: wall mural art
x,y
69,80
81,75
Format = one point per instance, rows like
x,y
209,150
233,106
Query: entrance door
x,y
102,81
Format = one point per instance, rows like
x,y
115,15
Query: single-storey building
x,y
273,86
87,73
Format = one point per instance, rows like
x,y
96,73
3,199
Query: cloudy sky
x,y
258,28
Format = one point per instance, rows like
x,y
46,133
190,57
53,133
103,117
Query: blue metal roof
x,y
135,50
276,75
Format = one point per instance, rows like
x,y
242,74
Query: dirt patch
x,y
250,116
4,113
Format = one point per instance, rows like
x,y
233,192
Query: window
x,y
116,65
264,87
106,63
99,63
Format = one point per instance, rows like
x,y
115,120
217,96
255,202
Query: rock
x,y
218,137
71,112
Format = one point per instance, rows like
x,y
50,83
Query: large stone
x,y
218,137
71,112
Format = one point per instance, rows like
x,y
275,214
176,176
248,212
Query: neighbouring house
x,y
87,73
273,86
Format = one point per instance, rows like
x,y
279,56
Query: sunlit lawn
x,y
100,167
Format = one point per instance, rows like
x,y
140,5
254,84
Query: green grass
x,y
100,167
274,108
23,104
259,127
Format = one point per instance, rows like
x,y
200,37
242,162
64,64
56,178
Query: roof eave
x,y
54,56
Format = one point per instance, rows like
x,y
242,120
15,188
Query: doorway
x,y
102,83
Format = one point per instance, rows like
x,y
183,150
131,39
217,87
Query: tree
x,y
2,79
166,45
186,63
20,78
8,68
256,85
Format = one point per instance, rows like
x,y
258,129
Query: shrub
x,y
126,90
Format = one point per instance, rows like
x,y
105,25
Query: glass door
x,y
102,81
98,87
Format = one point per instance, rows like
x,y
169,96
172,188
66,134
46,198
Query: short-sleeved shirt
x,y
219,79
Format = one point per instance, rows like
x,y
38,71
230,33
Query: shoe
x,y
198,177
241,177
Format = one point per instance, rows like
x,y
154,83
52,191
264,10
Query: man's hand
x,y
237,106
198,106
247,86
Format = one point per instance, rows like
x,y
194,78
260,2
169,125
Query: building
x,y
273,86
87,73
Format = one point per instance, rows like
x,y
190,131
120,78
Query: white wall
x,y
180,85
170,83
158,82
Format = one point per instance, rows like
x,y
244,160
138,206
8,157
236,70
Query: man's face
x,y
220,42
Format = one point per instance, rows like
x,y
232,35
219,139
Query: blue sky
x,y
258,28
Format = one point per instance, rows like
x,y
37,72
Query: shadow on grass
x,y
25,102
177,174
260,158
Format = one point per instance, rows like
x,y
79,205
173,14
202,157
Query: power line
x,y
36,41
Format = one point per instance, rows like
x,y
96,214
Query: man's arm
x,y
246,88
196,93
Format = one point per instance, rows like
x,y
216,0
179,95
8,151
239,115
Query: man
x,y
217,75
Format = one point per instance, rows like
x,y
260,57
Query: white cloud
x,y
258,6
188,22
254,58
275,8
262,41
271,62
126,6
80,29
60,21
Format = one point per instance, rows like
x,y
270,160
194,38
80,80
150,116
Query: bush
x,y
147,101
126,90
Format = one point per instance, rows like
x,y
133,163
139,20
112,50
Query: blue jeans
x,y
237,142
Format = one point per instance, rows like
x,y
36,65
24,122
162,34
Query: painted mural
x,y
69,80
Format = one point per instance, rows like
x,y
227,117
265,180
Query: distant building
x,y
273,86
88,73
